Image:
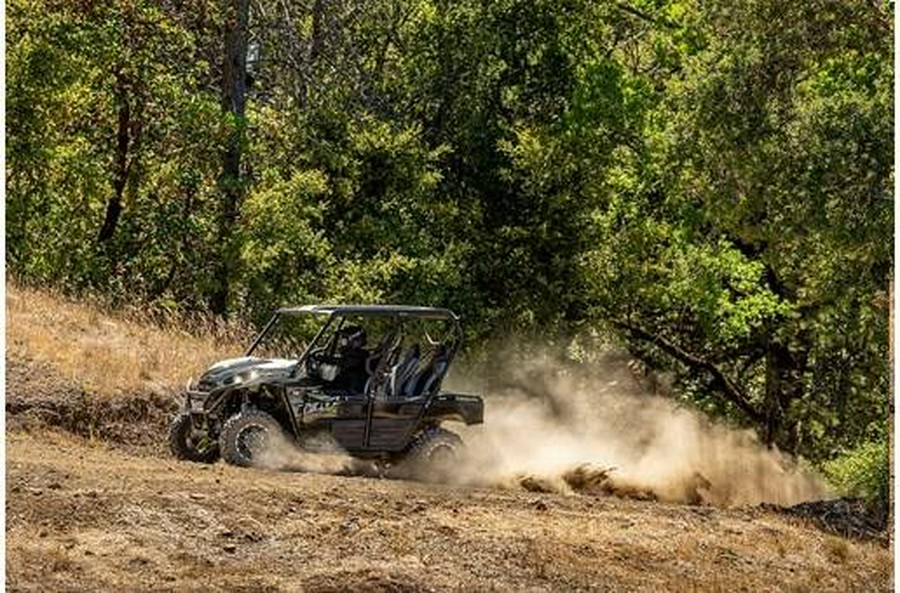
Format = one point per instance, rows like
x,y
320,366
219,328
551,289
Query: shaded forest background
x,y
708,184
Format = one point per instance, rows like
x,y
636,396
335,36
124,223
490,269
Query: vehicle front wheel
x,y
187,442
251,438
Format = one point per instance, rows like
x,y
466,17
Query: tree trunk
x,y
120,174
234,87
784,384
316,45
889,503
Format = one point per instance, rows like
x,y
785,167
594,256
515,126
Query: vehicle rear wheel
x,y
187,442
433,456
249,438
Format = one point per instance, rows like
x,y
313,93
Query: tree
x,y
766,175
234,91
110,126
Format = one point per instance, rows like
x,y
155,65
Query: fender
x,y
461,407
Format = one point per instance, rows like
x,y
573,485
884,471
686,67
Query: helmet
x,y
351,337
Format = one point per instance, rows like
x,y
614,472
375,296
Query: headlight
x,y
242,377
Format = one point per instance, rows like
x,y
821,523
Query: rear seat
x,y
402,371
428,377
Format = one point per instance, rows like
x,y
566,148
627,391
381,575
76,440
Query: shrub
x,y
864,472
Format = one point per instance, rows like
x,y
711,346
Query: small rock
x,y
230,548
540,505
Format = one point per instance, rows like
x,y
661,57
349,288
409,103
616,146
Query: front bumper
x,y
195,401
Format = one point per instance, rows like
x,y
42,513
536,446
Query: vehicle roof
x,y
372,311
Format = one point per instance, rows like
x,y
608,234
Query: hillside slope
x,y
94,502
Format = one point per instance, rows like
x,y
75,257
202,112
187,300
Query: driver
x,y
352,354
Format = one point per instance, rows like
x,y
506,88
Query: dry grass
x,y
88,514
106,354
837,549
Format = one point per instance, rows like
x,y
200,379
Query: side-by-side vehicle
x,y
368,384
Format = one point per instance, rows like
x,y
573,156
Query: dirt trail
x,y
88,516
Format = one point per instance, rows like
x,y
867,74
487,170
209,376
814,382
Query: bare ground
x,y
112,512
95,503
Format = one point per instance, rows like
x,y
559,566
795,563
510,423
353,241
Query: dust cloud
x,y
322,456
590,429
553,428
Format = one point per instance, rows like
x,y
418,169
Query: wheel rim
x,y
197,440
201,443
252,441
194,439
442,455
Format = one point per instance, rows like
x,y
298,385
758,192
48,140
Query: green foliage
x,y
75,72
863,471
711,181
283,255
744,237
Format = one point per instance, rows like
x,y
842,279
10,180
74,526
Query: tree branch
x,y
646,17
725,384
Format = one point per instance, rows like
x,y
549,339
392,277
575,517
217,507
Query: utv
x,y
368,383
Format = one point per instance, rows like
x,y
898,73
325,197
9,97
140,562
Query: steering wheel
x,y
314,359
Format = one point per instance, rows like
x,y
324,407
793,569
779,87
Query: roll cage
x,y
401,316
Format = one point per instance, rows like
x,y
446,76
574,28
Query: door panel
x,y
408,408
390,434
349,434
393,421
